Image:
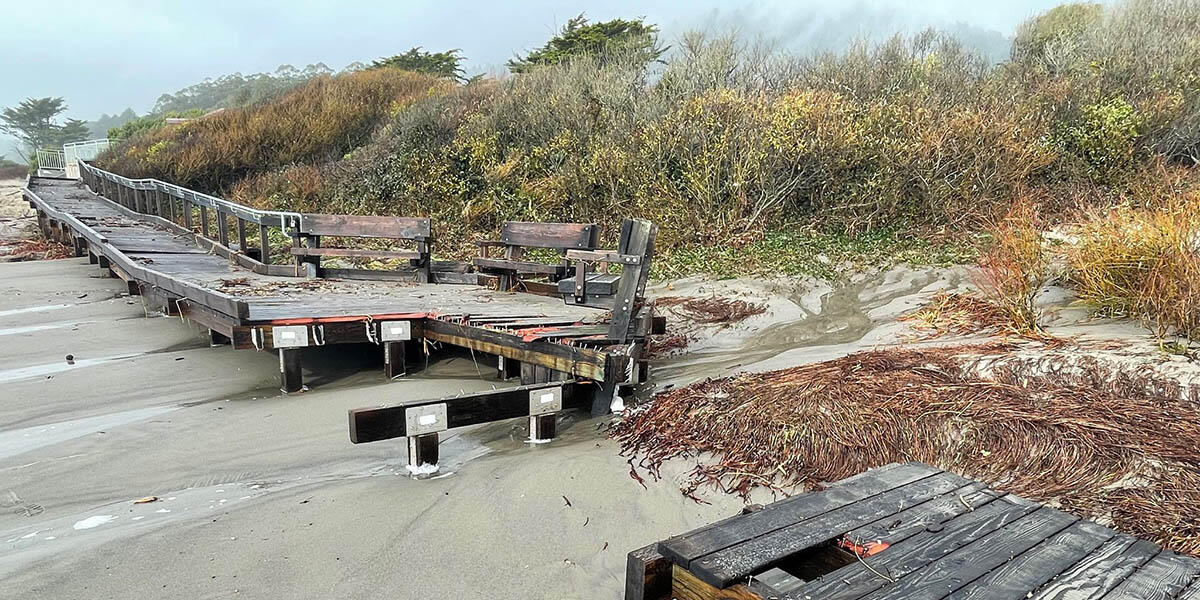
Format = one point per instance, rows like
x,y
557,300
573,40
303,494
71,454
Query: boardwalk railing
x,y
51,163
77,151
182,206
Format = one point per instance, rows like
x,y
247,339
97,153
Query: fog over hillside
x,y
106,57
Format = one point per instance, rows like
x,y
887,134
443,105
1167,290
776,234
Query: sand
x,y
262,495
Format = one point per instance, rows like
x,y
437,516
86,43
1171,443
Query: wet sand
x,y
262,495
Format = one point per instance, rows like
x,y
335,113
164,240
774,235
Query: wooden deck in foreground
x,y
158,238
908,531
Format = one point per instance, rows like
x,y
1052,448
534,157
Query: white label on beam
x,y
545,401
289,336
395,331
420,420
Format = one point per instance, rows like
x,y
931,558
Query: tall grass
x,y
318,122
1142,263
1013,269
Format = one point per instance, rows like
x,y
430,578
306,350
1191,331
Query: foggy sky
x,y
105,56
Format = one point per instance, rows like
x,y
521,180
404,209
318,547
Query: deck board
x,y
915,532
274,298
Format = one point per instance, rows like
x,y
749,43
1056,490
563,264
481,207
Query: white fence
x,y
77,151
51,163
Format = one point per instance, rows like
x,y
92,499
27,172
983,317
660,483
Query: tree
x,y
32,122
442,64
74,130
580,37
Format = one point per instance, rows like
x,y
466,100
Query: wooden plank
x,y
723,534
726,566
686,586
914,552
352,252
1192,592
1100,571
955,570
387,422
647,574
1164,577
1031,570
405,228
519,266
580,362
580,236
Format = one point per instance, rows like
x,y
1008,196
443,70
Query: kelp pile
x,y
1118,453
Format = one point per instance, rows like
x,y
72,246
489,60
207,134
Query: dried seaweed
x,y
40,250
1117,452
711,310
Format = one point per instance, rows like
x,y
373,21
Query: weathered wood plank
x,y
723,567
355,252
1030,570
1164,577
405,228
1097,573
581,236
955,570
686,586
647,574
387,422
913,553
706,540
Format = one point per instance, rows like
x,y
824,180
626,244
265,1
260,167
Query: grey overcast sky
x,y
106,55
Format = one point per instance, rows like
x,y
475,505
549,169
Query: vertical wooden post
x,y
222,227
264,244
291,378
92,258
507,368
393,360
423,452
187,213
312,264
241,233
171,207
541,427
204,220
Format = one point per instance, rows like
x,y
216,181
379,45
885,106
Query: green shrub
x,y
1104,138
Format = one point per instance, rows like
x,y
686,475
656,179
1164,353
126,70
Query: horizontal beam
x,y
574,360
387,422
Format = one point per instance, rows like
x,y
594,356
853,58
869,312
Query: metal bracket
x,y
395,331
289,336
428,418
318,335
545,401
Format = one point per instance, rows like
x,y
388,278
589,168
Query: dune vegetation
x,y
753,160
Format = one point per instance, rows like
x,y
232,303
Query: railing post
x,y
222,226
241,234
203,220
187,213
264,244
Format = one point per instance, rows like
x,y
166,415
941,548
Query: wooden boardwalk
x,y
159,238
908,531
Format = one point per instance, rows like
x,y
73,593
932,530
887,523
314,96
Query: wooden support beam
x,y
576,361
394,360
290,375
216,338
685,586
422,454
541,427
507,368
387,422
647,574
204,221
